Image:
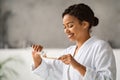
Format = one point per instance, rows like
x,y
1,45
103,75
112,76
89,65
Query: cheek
x,y
76,30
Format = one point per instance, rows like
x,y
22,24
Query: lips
x,y
70,35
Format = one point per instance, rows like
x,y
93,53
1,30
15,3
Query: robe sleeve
x,y
105,66
42,70
49,68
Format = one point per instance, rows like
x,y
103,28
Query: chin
x,y
72,40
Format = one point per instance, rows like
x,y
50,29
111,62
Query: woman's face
x,y
73,28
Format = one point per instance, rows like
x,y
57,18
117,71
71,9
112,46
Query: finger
x,y
40,48
62,57
65,61
36,47
59,58
33,46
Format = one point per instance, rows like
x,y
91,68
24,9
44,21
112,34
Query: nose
x,y
66,30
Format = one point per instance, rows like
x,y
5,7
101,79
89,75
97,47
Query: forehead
x,y
68,19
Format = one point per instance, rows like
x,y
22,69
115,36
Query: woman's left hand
x,y
67,59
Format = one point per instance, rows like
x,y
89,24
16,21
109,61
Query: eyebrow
x,y
69,23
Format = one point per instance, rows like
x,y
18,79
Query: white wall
x,y
39,21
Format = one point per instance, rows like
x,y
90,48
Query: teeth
x,y
70,35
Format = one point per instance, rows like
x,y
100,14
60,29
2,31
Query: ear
x,y
85,24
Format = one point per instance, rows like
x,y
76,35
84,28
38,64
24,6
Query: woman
x,y
90,59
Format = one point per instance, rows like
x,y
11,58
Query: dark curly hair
x,y
83,12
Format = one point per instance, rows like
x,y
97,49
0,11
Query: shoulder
x,y
102,50
102,47
100,43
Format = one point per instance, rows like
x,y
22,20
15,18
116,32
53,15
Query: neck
x,y
81,41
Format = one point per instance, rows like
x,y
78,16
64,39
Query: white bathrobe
x,y
95,54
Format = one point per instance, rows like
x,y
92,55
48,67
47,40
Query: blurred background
x,y
26,22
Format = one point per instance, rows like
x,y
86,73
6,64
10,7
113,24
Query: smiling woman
x,y
90,59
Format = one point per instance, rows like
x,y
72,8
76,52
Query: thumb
x,y
34,52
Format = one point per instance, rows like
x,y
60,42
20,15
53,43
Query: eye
x,y
64,27
70,26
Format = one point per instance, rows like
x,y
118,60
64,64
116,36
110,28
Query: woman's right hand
x,y
36,56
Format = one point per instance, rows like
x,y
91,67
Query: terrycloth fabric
x,y
95,54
